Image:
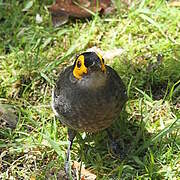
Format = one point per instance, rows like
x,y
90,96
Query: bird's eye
x,y
78,64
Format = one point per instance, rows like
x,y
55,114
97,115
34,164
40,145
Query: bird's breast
x,y
94,81
91,103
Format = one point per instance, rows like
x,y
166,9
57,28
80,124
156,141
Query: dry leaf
x,y
175,3
85,174
107,55
63,9
32,178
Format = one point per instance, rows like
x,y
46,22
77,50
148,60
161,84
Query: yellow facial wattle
x,y
86,60
79,68
102,63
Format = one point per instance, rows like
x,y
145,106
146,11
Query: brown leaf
x,y
85,174
63,9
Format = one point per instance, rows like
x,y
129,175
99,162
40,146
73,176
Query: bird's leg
x,y
113,143
116,146
71,135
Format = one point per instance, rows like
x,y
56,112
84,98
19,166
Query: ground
x,y
32,53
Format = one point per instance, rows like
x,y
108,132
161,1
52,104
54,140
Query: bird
x,y
88,97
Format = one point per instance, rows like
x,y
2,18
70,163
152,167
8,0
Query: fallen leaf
x,y
108,55
85,174
175,3
32,178
62,10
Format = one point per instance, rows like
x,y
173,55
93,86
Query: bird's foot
x,y
117,148
67,169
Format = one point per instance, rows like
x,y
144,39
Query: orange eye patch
x,y
79,68
102,62
86,60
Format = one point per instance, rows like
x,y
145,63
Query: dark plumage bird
x,y
88,96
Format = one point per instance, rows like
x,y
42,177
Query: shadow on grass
x,y
113,154
137,152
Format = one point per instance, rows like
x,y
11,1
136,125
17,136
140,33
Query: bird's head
x,y
87,63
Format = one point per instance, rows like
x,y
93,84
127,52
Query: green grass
x,y
32,55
